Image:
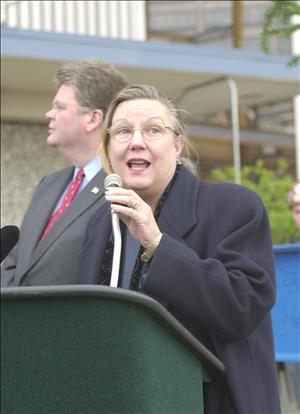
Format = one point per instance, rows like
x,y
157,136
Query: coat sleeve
x,y
10,263
230,289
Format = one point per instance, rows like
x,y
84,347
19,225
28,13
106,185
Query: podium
x,y
93,349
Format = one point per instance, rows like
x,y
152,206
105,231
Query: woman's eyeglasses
x,y
150,132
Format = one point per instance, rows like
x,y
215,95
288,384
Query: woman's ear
x,y
95,119
179,145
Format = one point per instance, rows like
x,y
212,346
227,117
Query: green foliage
x,y
277,21
272,187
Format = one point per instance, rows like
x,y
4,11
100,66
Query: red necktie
x,y
68,198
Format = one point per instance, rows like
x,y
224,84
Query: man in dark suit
x,y
47,254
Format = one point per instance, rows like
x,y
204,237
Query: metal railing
x,y
114,19
234,103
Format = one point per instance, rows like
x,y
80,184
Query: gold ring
x,y
133,204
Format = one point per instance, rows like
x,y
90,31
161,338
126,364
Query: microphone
x,y
111,181
9,237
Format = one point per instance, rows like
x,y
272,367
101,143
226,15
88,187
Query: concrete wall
x,y
25,159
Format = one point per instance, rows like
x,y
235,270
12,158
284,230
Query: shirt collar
x,y
90,169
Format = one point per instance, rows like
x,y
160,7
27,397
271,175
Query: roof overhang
x,y
186,72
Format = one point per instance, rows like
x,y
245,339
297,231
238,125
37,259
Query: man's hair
x,y
95,82
145,92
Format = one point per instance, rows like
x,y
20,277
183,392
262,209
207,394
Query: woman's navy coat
x,y
214,271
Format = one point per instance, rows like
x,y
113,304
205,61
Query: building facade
x,y
186,49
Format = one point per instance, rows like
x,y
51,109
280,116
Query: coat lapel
x,y
178,215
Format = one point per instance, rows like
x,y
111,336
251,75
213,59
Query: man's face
x,y
66,120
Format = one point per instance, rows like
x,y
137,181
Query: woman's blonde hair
x,y
143,92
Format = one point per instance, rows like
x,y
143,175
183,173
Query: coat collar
x,y
178,214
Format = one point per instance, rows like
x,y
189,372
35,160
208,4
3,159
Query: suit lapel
x,y
88,196
47,203
38,214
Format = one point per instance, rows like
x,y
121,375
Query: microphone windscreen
x,y
112,180
9,237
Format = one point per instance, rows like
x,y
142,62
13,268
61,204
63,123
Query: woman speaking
x,y
201,249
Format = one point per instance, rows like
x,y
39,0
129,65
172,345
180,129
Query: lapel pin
x,y
95,190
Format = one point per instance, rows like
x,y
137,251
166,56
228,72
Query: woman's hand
x,y
135,213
